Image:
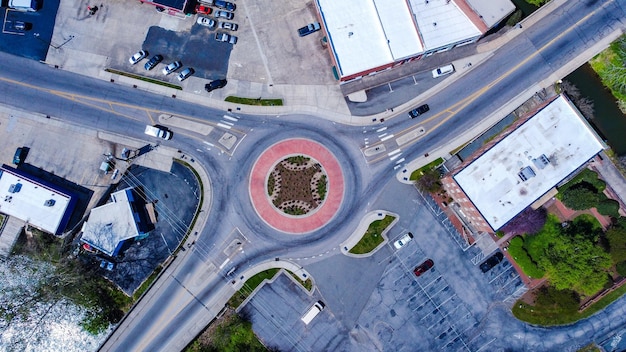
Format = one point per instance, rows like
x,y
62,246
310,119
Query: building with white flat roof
x,y
368,36
520,168
41,204
112,225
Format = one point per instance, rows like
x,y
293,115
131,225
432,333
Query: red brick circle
x,y
276,218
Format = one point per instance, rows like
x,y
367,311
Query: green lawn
x,y
145,79
417,173
373,236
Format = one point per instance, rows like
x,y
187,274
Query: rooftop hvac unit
x,y
14,188
49,202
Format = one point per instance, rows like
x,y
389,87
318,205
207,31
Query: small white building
x,y
112,226
39,203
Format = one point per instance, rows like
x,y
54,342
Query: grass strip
x,y
250,285
257,101
142,78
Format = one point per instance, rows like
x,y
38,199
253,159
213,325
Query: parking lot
x,y
379,301
33,41
268,51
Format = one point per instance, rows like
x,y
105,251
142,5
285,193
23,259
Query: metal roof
x,y
529,162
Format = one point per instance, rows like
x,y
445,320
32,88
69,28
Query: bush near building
x,y
520,255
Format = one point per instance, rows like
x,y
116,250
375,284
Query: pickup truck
x,y
308,29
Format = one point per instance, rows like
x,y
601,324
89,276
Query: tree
x,y
536,2
528,221
580,197
571,257
609,207
429,181
617,243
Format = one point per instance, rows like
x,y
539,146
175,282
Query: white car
x,y
140,55
207,22
403,240
229,25
442,71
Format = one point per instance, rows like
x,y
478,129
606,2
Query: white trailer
x,y
313,312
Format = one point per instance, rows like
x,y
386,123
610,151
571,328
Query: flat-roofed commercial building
x,y
39,203
368,36
512,172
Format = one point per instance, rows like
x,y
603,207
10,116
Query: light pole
x,y
36,35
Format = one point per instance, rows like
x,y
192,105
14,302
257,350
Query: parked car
x,y
184,74
172,67
227,38
424,267
19,155
229,25
153,62
205,21
228,6
403,240
224,14
308,29
216,84
422,109
140,55
19,25
205,10
442,71
491,262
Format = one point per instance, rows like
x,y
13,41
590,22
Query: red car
x,y
203,9
422,268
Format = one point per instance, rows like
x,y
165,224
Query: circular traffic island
x,y
296,186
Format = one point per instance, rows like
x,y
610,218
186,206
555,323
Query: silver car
x,y
184,74
223,14
172,67
140,55
226,38
207,22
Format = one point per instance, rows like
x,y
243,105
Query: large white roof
x,y
492,11
26,199
111,223
442,22
493,182
365,34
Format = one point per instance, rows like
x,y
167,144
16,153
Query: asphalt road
x,y
194,289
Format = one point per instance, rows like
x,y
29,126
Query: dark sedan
x,y
420,110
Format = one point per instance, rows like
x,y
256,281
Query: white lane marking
x,y
386,138
224,263
228,123
231,118
211,144
381,129
395,157
223,126
399,161
394,152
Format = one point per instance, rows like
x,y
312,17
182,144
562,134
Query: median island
x,y
373,237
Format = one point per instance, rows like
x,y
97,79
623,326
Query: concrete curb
x,y
358,233
272,264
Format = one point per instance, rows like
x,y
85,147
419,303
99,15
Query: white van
x,y
158,131
313,312
24,5
443,70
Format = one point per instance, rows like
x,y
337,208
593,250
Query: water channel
x,y
608,120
